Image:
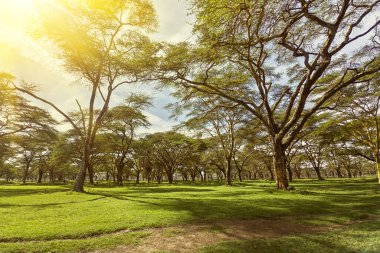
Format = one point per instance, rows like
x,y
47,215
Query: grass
x,y
75,245
363,237
49,215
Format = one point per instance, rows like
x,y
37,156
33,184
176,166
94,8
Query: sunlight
x,y
27,3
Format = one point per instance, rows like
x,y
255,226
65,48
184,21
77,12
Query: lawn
x,y
51,218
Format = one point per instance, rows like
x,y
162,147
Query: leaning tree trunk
x,y
270,172
290,173
81,176
240,176
280,164
318,172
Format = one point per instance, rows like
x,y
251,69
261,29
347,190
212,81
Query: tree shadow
x,y
4,205
28,191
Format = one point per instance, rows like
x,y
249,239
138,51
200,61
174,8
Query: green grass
x,y
49,214
75,245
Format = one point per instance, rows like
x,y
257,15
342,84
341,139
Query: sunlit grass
x,y
33,212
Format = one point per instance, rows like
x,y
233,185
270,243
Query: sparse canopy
x,y
280,60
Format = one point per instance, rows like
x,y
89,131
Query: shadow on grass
x,y
28,191
265,206
356,238
49,204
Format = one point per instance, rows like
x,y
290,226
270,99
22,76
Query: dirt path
x,y
189,238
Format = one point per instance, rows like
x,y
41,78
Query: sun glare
x,y
25,4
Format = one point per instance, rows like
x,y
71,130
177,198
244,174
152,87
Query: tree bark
x,y
318,172
290,173
280,164
240,176
40,174
268,166
119,175
81,176
170,177
228,174
91,174
137,177
338,172
26,172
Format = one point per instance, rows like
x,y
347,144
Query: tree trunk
x,y
228,174
349,172
81,176
170,177
193,175
339,173
40,174
138,178
240,177
119,176
378,170
279,164
270,172
91,174
51,175
79,180
25,174
290,173
318,172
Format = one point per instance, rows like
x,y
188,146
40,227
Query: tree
x,y
359,108
33,144
103,43
214,118
120,124
318,134
279,60
16,113
6,155
170,150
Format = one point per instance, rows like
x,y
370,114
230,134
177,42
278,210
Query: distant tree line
x,y
222,144
271,89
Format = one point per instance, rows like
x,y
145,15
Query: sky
x,y
29,59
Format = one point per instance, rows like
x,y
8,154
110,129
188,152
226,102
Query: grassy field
x,y
46,218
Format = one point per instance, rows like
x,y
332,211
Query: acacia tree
x,y
277,59
32,144
6,154
220,122
120,124
359,109
170,150
319,133
17,115
103,43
